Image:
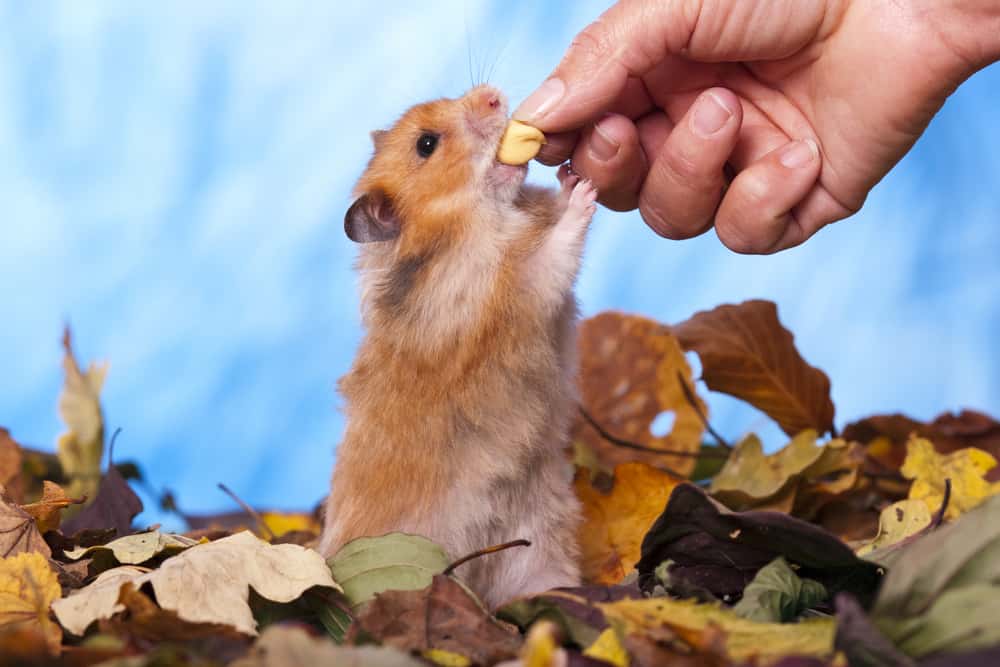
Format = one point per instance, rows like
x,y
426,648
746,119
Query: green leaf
x,y
778,595
942,593
394,562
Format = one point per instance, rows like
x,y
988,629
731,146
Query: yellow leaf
x,y
286,522
607,648
897,522
27,587
80,448
752,479
966,468
540,648
631,369
698,624
446,658
614,523
46,510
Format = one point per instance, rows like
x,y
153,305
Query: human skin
x,y
767,119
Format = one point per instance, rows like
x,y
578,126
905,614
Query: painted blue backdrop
x,y
173,178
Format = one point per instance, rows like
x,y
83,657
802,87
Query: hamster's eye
x,y
426,144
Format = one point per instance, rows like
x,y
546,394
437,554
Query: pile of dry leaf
x,y
878,545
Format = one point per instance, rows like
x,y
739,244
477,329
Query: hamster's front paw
x,y
579,195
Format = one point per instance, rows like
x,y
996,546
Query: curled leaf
x,y
46,510
745,352
778,595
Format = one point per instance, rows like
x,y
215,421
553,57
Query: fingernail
x,y
602,146
710,115
540,102
799,153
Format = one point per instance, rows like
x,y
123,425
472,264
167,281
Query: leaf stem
x,y
261,524
484,552
693,402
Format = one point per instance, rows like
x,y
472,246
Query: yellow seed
x,y
520,143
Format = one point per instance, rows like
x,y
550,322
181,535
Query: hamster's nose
x,y
486,100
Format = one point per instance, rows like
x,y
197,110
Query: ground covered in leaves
x,y
875,546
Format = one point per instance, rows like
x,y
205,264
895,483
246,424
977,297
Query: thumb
x,y
634,36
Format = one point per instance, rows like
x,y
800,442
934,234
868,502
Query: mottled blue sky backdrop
x,y
173,178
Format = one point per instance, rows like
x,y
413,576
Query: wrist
x,y
968,32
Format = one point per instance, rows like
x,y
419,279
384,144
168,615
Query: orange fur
x,y
459,400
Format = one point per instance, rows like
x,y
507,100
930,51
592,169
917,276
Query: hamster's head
x,y
434,173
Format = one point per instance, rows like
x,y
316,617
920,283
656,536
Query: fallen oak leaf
x,y
27,587
631,372
746,352
46,510
443,616
615,523
18,532
208,583
138,548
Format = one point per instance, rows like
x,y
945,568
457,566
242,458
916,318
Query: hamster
x,y
459,401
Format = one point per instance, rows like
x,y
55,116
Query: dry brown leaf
x,y
443,616
887,436
614,523
46,510
27,587
11,459
628,377
208,583
18,533
747,353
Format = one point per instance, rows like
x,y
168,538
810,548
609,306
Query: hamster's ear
x,y
371,218
378,136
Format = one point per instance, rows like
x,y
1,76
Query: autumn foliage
x,y
876,546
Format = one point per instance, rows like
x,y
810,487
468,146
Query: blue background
x,y
173,179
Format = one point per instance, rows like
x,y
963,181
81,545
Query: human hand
x,y
804,104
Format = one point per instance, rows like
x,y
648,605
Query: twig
x,y
261,525
615,440
693,402
944,504
484,552
111,447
